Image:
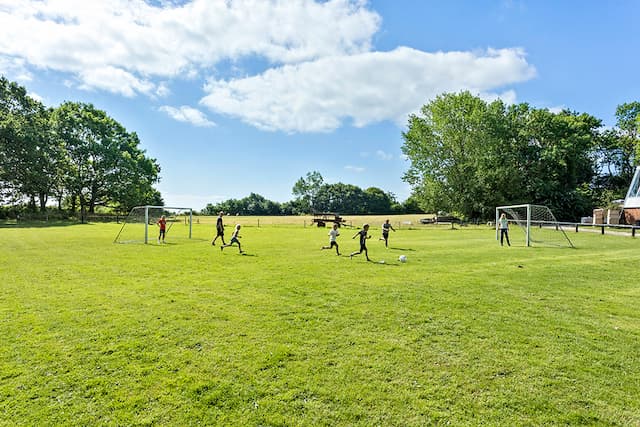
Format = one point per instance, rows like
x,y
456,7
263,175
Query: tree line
x,y
313,195
74,154
468,156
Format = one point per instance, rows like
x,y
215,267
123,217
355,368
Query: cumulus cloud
x,y
364,88
135,40
317,70
187,114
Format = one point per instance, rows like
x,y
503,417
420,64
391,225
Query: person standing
x,y
219,229
385,232
162,223
364,235
503,225
333,234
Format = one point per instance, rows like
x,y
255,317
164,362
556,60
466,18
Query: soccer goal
x,y
140,224
536,222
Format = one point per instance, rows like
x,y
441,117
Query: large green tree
x,y
468,156
105,164
457,162
30,159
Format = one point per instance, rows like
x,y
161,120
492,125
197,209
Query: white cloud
x,y
364,88
384,156
356,169
136,41
323,73
187,114
15,68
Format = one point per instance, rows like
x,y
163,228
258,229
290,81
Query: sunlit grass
x,y
466,332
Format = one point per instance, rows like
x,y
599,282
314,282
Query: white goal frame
x,y
526,223
146,219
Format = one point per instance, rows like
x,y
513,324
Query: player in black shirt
x,y
219,229
364,235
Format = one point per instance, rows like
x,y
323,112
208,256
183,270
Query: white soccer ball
x,y
402,258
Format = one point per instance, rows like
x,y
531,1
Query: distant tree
x,y
377,201
253,204
306,190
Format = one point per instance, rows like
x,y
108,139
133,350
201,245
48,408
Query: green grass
x,y
465,333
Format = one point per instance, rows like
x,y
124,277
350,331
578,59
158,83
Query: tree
x,y
377,201
553,156
307,190
104,162
29,158
468,156
453,147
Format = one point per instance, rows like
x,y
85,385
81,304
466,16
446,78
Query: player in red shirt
x,y
162,223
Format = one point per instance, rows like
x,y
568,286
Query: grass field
x,y
465,333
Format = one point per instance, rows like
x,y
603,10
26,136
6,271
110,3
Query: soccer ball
x,y
402,258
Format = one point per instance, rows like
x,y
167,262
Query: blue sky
x,y
234,97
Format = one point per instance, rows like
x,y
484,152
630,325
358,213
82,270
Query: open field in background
x,y
398,221
465,333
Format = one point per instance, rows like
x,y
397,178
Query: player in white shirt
x,y
333,234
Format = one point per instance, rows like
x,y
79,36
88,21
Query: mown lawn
x,y
465,333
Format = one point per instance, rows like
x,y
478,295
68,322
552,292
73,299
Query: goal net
x,y
536,223
141,225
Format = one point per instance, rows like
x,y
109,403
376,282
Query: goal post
x,y
536,222
136,225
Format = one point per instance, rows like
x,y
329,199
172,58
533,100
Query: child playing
x,y
235,238
385,232
364,235
162,223
333,234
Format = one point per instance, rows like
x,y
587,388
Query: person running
x,y
364,235
333,234
385,232
235,238
503,225
162,223
219,229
